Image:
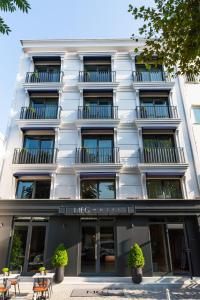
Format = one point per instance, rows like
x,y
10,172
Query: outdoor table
x,y
9,277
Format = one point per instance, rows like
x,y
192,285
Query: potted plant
x,y
59,261
5,271
136,263
42,270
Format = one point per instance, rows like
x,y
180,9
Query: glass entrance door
x,y
98,248
28,246
168,245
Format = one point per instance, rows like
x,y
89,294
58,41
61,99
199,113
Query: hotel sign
x,y
96,210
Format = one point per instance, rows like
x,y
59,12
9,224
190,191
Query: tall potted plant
x,y
59,261
136,263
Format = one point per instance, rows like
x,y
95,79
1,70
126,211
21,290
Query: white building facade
x,y
100,147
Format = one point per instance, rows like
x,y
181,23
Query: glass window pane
x,y
42,190
31,143
107,190
196,114
107,249
89,189
18,247
25,189
172,189
36,254
154,189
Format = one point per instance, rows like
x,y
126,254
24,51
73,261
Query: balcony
x,y
162,161
34,156
152,79
98,112
155,116
40,77
156,112
98,76
41,112
162,155
190,78
97,155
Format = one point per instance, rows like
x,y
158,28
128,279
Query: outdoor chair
x,y
15,282
4,288
41,289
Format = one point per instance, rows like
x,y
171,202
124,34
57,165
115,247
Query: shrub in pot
x,y
5,271
136,263
59,261
42,270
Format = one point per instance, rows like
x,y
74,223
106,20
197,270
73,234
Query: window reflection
x,y
98,189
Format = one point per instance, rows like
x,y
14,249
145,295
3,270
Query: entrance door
x,y
168,245
28,246
179,256
98,248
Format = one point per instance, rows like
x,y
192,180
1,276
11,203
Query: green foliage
x,y
5,270
136,257
12,6
171,30
60,256
16,259
41,269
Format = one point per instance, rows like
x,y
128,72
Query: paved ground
x,y
92,290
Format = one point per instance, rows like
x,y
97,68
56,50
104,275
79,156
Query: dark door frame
x,y
97,223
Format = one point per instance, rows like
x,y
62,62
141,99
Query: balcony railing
x,y
156,112
41,112
39,77
98,112
151,76
162,155
34,156
191,78
99,76
97,155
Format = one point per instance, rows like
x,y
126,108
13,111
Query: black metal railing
x,y
97,155
193,78
140,76
99,76
98,112
162,155
37,77
34,156
156,111
41,112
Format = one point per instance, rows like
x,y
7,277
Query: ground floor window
x,y
168,245
33,189
98,189
164,189
28,245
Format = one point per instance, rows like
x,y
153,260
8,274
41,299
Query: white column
x,y
117,186
144,186
52,190
184,188
77,186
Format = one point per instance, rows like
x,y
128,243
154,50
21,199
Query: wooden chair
x,y
4,288
41,289
15,282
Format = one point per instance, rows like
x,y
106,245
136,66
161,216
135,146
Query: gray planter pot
x,y
59,274
136,275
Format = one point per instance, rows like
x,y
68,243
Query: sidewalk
x,y
96,288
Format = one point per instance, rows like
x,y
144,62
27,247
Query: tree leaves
x,y
12,6
172,30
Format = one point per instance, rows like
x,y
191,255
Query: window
x,y
98,189
33,189
164,189
196,114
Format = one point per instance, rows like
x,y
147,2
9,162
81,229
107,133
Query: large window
x,y
33,189
39,142
164,189
98,189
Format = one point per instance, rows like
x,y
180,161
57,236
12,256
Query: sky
x,y
49,19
